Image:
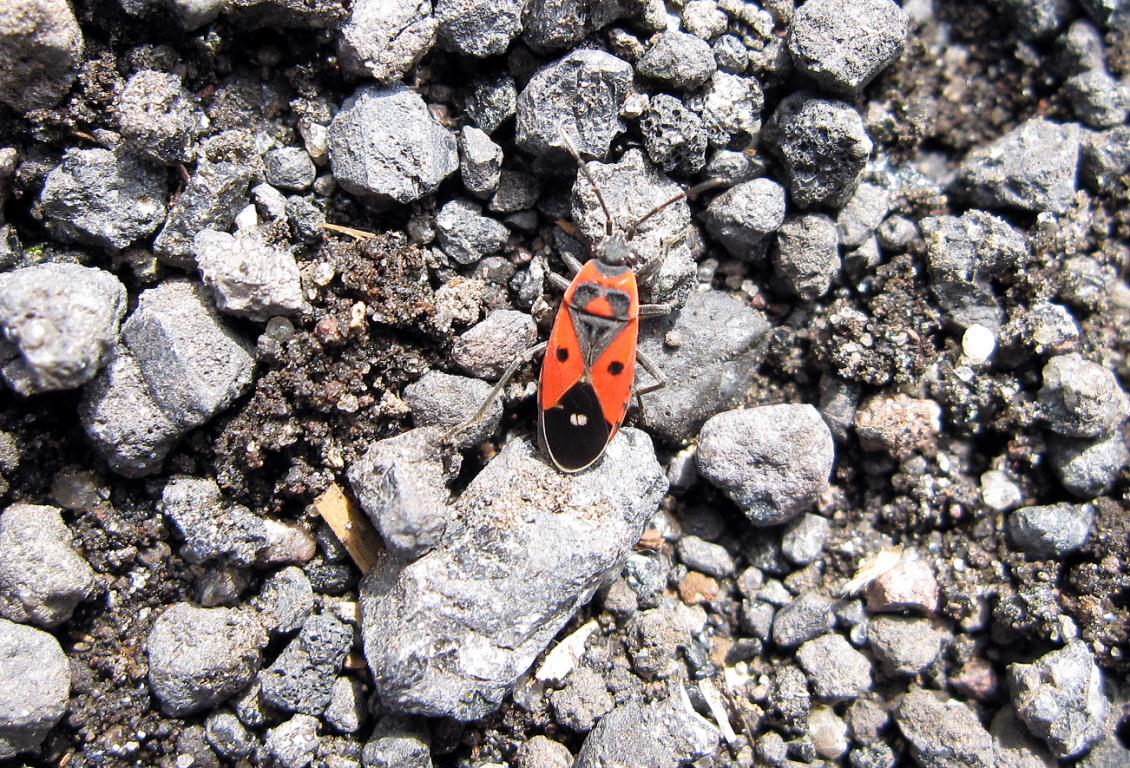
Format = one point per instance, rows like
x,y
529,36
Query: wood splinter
x,y
350,525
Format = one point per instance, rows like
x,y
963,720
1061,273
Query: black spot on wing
x,y
615,367
562,354
575,432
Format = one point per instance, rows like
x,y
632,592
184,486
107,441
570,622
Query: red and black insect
x,y
588,373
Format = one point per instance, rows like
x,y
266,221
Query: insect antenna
x,y
584,170
688,194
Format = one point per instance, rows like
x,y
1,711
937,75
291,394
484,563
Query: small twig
x,y
358,234
351,527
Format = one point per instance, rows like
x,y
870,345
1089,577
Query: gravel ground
x,y
255,250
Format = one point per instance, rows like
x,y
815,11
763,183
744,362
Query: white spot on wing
x,y
578,419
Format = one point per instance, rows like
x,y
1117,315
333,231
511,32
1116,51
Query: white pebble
x,y
978,343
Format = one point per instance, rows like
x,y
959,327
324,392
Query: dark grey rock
x,y
293,743
478,27
1037,19
679,61
1079,49
384,40
731,109
703,18
1060,698
673,136
807,257
124,423
963,255
734,167
663,734
554,25
492,101
1088,468
284,602
480,162
41,49
743,217
773,461
307,221
806,617
730,54
904,645
543,752
1031,168
823,147
1051,531
228,736
836,671
633,188
302,678
516,191
289,168
582,702
839,400
398,742
249,275
523,530
1099,100
199,657
104,198
158,117
580,94
347,709
211,529
803,539
487,348
896,233
443,400
59,325
701,555
1014,746
942,732
862,214
1105,157
385,145
844,44
466,235
194,365
757,619
42,578
35,685
193,14
1082,399
707,350
647,577
790,697
215,193
400,483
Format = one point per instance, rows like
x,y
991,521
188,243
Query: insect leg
x,y
508,374
654,310
653,371
585,172
559,282
571,263
690,194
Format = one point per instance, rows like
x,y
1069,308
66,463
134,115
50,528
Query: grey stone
x,y
942,732
703,18
839,400
1088,468
302,678
1060,698
249,275
289,168
632,188
823,147
582,702
679,61
706,557
293,743
269,203
708,350
194,365
655,639
228,736
757,618
104,198
772,749
492,101
896,233
59,325
158,117
580,95
384,40
862,214
400,483
647,577
1014,746
443,400
347,710
731,109
199,657
836,671
284,602
909,585
803,539
35,685
466,235
1031,168
196,13
734,167
385,145
1080,398
773,461
963,255
743,217
1099,100
807,256
1037,19
1051,531
41,49
543,752
663,734
1105,157
215,193
478,27
730,53
674,136
211,529
789,696
398,742
1079,49
904,645
307,221
122,420
554,25
844,44
523,530
487,348
480,162
808,616
42,578
1107,13
516,191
